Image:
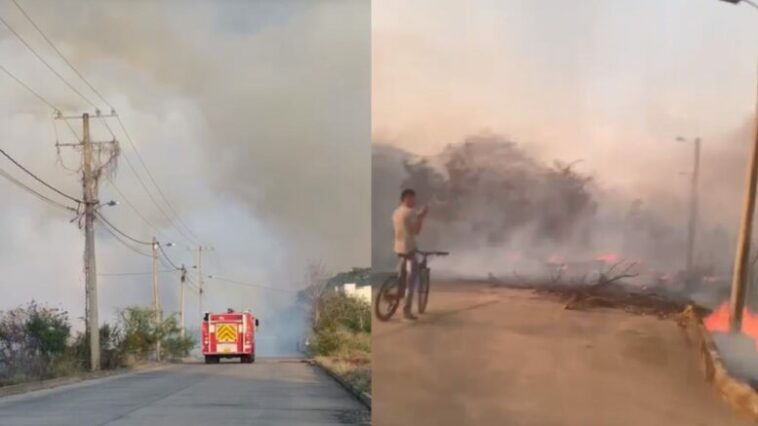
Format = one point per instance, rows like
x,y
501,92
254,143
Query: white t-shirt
x,y
404,221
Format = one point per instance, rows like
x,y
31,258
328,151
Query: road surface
x,y
494,356
269,392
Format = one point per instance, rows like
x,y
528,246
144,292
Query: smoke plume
x,y
252,116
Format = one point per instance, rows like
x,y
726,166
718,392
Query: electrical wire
x,y
152,198
125,244
244,284
38,179
60,54
29,89
191,236
23,186
122,233
191,284
105,123
165,256
47,64
127,274
164,263
132,206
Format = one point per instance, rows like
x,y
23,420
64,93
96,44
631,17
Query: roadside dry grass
x,y
352,361
355,369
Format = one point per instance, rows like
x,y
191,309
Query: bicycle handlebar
x,y
433,253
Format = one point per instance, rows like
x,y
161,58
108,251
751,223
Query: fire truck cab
x,y
228,335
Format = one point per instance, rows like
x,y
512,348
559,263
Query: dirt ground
x,y
499,356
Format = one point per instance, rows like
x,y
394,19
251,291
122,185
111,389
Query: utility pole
x,y
692,224
156,301
183,279
200,279
91,171
200,276
89,189
741,259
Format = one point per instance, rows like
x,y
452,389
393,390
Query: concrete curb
x,y
736,392
27,387
361,396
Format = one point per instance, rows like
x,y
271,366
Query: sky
x,y
253,117
608,82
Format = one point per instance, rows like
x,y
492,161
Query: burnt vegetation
x,y
554,228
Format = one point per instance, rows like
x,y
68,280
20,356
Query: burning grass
x,y
607,290
617,296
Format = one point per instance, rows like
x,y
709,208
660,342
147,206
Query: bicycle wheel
x,y
423,290
388,299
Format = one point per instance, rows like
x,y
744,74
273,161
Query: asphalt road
x,y
269,392
493,356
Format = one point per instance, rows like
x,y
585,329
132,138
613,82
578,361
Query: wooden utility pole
x,y
91,171
183,279
156,296
692,224
89,188
200,280
741,259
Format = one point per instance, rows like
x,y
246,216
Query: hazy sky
x,y
611,82
252,116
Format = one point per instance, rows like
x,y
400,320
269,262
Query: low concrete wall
x,y
733,390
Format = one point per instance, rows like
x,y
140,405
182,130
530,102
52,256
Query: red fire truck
x,y
228,335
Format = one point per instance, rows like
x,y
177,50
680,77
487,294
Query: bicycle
x,y
392,291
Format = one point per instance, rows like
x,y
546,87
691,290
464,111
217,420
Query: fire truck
x,y
228,335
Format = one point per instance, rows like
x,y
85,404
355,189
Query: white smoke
x,y
251,117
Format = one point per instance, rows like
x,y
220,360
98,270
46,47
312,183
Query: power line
x,y
50,67
26,86
144,186
126,274
20,184
124,243
150,195
132,206
191,235
164,263
244,284
158,188
81,76
38,179
160,247
191,283
122,233
60,54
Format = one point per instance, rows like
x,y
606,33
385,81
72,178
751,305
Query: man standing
x,y
407,222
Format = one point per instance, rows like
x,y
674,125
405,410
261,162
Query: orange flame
x,y
718,321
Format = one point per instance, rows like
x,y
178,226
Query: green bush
x,y
33,338
339,310
340,341
36,342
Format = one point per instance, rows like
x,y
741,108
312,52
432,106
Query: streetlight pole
x,y
156,301
694,205
183,279
156,294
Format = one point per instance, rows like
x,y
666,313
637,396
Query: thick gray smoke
x,y
252,116
502,211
